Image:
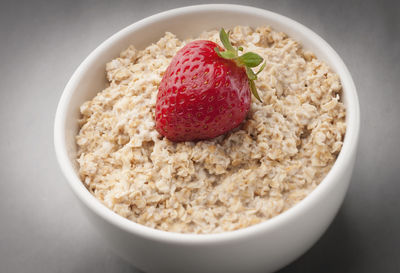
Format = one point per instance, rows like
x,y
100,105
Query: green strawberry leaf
x,y
225,40
250,59
253,89
261,68
229,55
250,74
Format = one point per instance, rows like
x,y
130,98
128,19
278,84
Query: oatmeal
x,y
275,158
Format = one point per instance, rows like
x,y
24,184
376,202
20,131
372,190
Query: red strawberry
x,y
205,92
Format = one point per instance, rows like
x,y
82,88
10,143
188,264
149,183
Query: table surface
x,y
42,228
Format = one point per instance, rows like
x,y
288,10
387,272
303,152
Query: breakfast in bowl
x,y
211,134
177,188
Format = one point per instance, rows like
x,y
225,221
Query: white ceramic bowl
x,y
263,247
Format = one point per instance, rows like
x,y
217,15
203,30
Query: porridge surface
x,y
275,158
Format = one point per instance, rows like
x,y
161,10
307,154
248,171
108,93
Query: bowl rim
x,y
345,156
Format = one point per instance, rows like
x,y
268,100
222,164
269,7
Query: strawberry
x,y
205,91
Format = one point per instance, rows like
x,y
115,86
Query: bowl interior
x,y
89,78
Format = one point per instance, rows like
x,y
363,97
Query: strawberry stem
x,y
247,60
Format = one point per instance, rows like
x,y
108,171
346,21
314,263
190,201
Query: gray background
x,y
42,228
